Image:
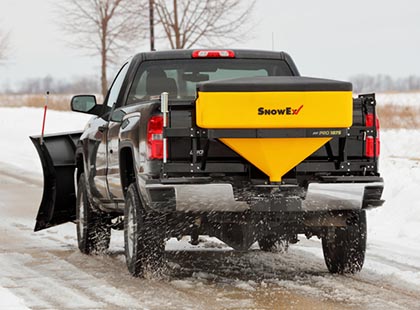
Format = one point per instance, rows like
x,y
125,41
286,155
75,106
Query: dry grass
x,y
395,116
55,102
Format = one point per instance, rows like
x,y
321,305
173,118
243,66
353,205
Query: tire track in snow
x,y
66,279
369,287
303,272
38,288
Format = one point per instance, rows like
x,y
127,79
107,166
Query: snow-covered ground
x,y
17,124
393,254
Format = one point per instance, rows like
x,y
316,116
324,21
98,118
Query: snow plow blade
x,y
57,155
275,122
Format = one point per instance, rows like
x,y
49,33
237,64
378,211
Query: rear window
x,y
180,77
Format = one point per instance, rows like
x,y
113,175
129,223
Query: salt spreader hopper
x,y
275,122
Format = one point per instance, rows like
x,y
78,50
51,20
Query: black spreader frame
x,y
338,163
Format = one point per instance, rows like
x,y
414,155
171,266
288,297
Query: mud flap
x,y
57,154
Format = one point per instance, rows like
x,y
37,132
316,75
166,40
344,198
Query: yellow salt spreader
x,y
275,122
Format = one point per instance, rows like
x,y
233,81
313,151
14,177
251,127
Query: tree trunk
x,y
151,25
176,27
104,82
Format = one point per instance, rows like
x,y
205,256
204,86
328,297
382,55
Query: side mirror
x,y
85,104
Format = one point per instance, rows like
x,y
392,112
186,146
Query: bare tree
x,y
4,45
107,27
210,22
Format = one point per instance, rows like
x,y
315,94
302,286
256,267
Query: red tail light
x,y
155,137
213,54
370,140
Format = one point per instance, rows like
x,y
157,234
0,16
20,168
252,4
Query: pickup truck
x,y
233,144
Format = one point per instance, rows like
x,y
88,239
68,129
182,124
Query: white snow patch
x,y
10,301
245,285
206,244
184,284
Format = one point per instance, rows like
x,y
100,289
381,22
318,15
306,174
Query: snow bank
x,y
400,167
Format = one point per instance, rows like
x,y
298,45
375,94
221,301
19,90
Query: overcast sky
x,y
326,38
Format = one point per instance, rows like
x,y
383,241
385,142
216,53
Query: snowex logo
x,y
285,111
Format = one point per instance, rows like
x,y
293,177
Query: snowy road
x,y
45,271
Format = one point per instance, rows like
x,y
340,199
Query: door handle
x,y
102,128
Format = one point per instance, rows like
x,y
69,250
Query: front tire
x,y
143,236
344,247
93,231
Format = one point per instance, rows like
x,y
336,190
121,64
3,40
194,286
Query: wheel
x,y
143,236
344,247
93,230
273,244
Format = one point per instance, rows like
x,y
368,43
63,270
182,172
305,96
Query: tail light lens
x,y
213,54
155,137
370,140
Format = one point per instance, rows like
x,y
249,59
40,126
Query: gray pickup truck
x,y
228,143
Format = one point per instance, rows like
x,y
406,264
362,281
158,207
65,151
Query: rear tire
x,y
344,247
93,231
143,236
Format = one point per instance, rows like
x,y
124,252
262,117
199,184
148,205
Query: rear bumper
x,y
342,196
222,197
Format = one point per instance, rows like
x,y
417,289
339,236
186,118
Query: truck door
x,y
113,176
109,142
99,169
